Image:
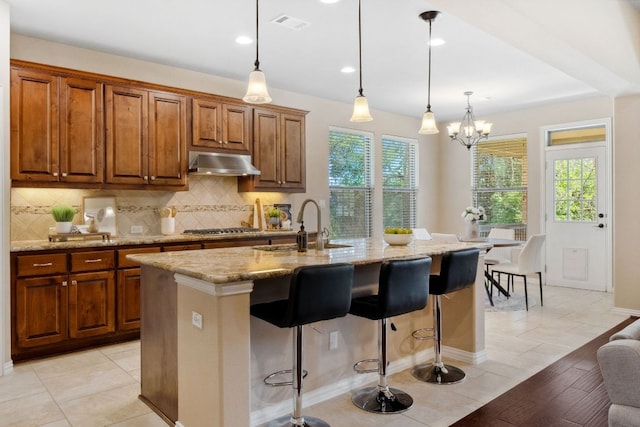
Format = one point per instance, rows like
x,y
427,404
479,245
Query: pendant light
x,y
429,119
360,104
257,90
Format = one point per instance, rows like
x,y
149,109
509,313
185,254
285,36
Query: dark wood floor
x,y
570,392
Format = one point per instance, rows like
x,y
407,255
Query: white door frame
x,y
609,190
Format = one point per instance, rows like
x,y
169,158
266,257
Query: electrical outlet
x,y
137,229
333,340
196,319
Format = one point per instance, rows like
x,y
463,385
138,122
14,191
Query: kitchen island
x,y
197,346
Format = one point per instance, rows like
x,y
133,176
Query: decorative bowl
x,y
398,239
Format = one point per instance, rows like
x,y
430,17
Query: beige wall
x,y
626,204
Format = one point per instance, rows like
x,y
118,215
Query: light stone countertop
x,y
74,242
228,265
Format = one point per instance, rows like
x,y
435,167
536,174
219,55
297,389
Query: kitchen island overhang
x,y
203,376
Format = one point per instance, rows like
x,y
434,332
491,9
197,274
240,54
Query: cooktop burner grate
x,y
230,230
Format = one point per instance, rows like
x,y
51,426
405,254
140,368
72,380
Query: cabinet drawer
x,y
37,265
189,247
123,262
94,260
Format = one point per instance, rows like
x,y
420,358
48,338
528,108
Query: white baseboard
x,y
7,367
179,424
355,381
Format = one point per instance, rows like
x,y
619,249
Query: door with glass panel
x,y
576,222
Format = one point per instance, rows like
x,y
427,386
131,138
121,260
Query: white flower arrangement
x,y
473,214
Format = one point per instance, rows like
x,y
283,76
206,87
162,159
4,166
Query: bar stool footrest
x,y
418,334
360,370
382,400
433,374
268,379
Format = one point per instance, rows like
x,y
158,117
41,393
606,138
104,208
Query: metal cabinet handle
x,y
64,283
146,177
64,174
88,261
74,282
45,264
152,177
55,174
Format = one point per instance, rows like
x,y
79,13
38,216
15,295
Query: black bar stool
x,y
315,293
403,287
457,271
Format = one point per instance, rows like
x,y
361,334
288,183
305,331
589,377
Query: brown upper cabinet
x,y
278,151
57,128
73,129
146,137
221,126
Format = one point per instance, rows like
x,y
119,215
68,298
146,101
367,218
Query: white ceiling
x,y
516,53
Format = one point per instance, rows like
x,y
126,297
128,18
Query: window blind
x,y
500,179
399,181
350,183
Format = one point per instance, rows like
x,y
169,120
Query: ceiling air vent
x,y
290,22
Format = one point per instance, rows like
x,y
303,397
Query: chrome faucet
x,y
319,240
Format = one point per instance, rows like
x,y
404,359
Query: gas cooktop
x,y
230,230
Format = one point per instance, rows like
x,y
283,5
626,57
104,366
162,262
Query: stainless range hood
x,y
220,164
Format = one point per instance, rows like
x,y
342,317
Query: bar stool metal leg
x,y
438,372
296,419
382,399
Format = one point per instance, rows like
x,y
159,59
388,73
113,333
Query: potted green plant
x,y
274,215
63,215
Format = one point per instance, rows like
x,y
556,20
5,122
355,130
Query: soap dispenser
x,y
302,239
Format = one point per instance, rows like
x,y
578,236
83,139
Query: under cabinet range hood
x,y
220,164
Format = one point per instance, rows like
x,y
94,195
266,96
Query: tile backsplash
x,y
211,202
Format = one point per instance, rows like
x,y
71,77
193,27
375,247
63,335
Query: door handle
x,y
599,226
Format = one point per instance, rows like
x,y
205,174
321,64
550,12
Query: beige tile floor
x,y
100,387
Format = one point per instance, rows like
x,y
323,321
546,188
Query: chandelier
x,y
473,130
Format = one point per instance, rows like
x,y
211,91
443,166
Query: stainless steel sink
x,y
289,247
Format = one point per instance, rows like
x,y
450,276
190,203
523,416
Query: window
x,y
500,183
574,183
399,182
350,183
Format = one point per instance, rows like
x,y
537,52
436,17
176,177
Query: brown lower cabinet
x,y
71,299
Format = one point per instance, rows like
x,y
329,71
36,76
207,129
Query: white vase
x,y
63,227
473,230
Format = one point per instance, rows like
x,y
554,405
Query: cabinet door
x,y
129,299
127,113
34,126
81,131
235,128
91,304
292,152
266,133
206,124
41,311
167,139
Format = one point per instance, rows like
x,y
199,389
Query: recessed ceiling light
x,y
347,70
329,1
437,42
244,40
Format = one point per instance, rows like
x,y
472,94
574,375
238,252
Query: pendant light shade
x,y
360,104
429,126
361,110
257,90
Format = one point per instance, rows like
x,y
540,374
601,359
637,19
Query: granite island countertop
x,y
228,265
45,245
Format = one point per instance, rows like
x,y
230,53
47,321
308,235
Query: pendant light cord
x,y
360,42
257,63
429,77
